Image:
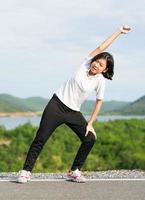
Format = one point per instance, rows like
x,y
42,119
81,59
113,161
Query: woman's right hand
x,y
125,29
90,128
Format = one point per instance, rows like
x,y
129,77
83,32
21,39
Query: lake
x,y
13,122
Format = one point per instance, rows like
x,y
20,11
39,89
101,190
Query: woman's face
x,y
98,66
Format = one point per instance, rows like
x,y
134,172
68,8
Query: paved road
x,y
65,190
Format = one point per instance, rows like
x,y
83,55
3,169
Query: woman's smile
x,y
95,68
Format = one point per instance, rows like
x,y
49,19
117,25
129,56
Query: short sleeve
x,y
100,88
86,62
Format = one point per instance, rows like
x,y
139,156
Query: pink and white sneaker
x,y
24,176
76,176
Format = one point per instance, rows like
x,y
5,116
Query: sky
x,y
42,43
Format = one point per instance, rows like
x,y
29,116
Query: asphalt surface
x,y
66,190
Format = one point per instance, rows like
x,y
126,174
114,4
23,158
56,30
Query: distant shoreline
x,y
39,113
20,114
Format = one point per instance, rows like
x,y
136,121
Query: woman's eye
x,y
101,64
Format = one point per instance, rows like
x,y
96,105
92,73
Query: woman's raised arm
x,y
122,30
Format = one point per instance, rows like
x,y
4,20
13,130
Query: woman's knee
x,y
90,138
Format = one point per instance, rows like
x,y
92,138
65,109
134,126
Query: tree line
x,y
120,144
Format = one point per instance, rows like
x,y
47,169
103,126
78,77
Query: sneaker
x,y
76,176
24,176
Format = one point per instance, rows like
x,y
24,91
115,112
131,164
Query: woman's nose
x,y
97,66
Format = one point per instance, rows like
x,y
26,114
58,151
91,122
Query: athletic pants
x,y
55,114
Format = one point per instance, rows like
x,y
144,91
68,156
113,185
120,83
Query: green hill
x,y
113,105
37,103
107,106
135,108
117,107
9,103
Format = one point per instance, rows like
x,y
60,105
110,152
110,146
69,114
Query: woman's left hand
x,y
90,128
125,29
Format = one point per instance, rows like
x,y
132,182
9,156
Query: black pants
x,y
55,114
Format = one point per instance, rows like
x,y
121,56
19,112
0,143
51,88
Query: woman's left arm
x,y
93,117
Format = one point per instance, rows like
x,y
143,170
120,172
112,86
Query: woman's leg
x,y
78,124
51,119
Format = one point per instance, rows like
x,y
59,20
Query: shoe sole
x,y
75,180
20,181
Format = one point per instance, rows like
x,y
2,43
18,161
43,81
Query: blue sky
x,y
42,43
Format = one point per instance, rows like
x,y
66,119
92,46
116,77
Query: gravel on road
x,y
110,174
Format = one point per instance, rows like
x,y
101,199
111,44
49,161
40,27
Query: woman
x,y
64,107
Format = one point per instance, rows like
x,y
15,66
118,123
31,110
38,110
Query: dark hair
x,y
110,63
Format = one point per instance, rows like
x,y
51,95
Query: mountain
x,y
135,108
113,105
107,106
9,103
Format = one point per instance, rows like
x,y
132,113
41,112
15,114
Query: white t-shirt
x,y
75,90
